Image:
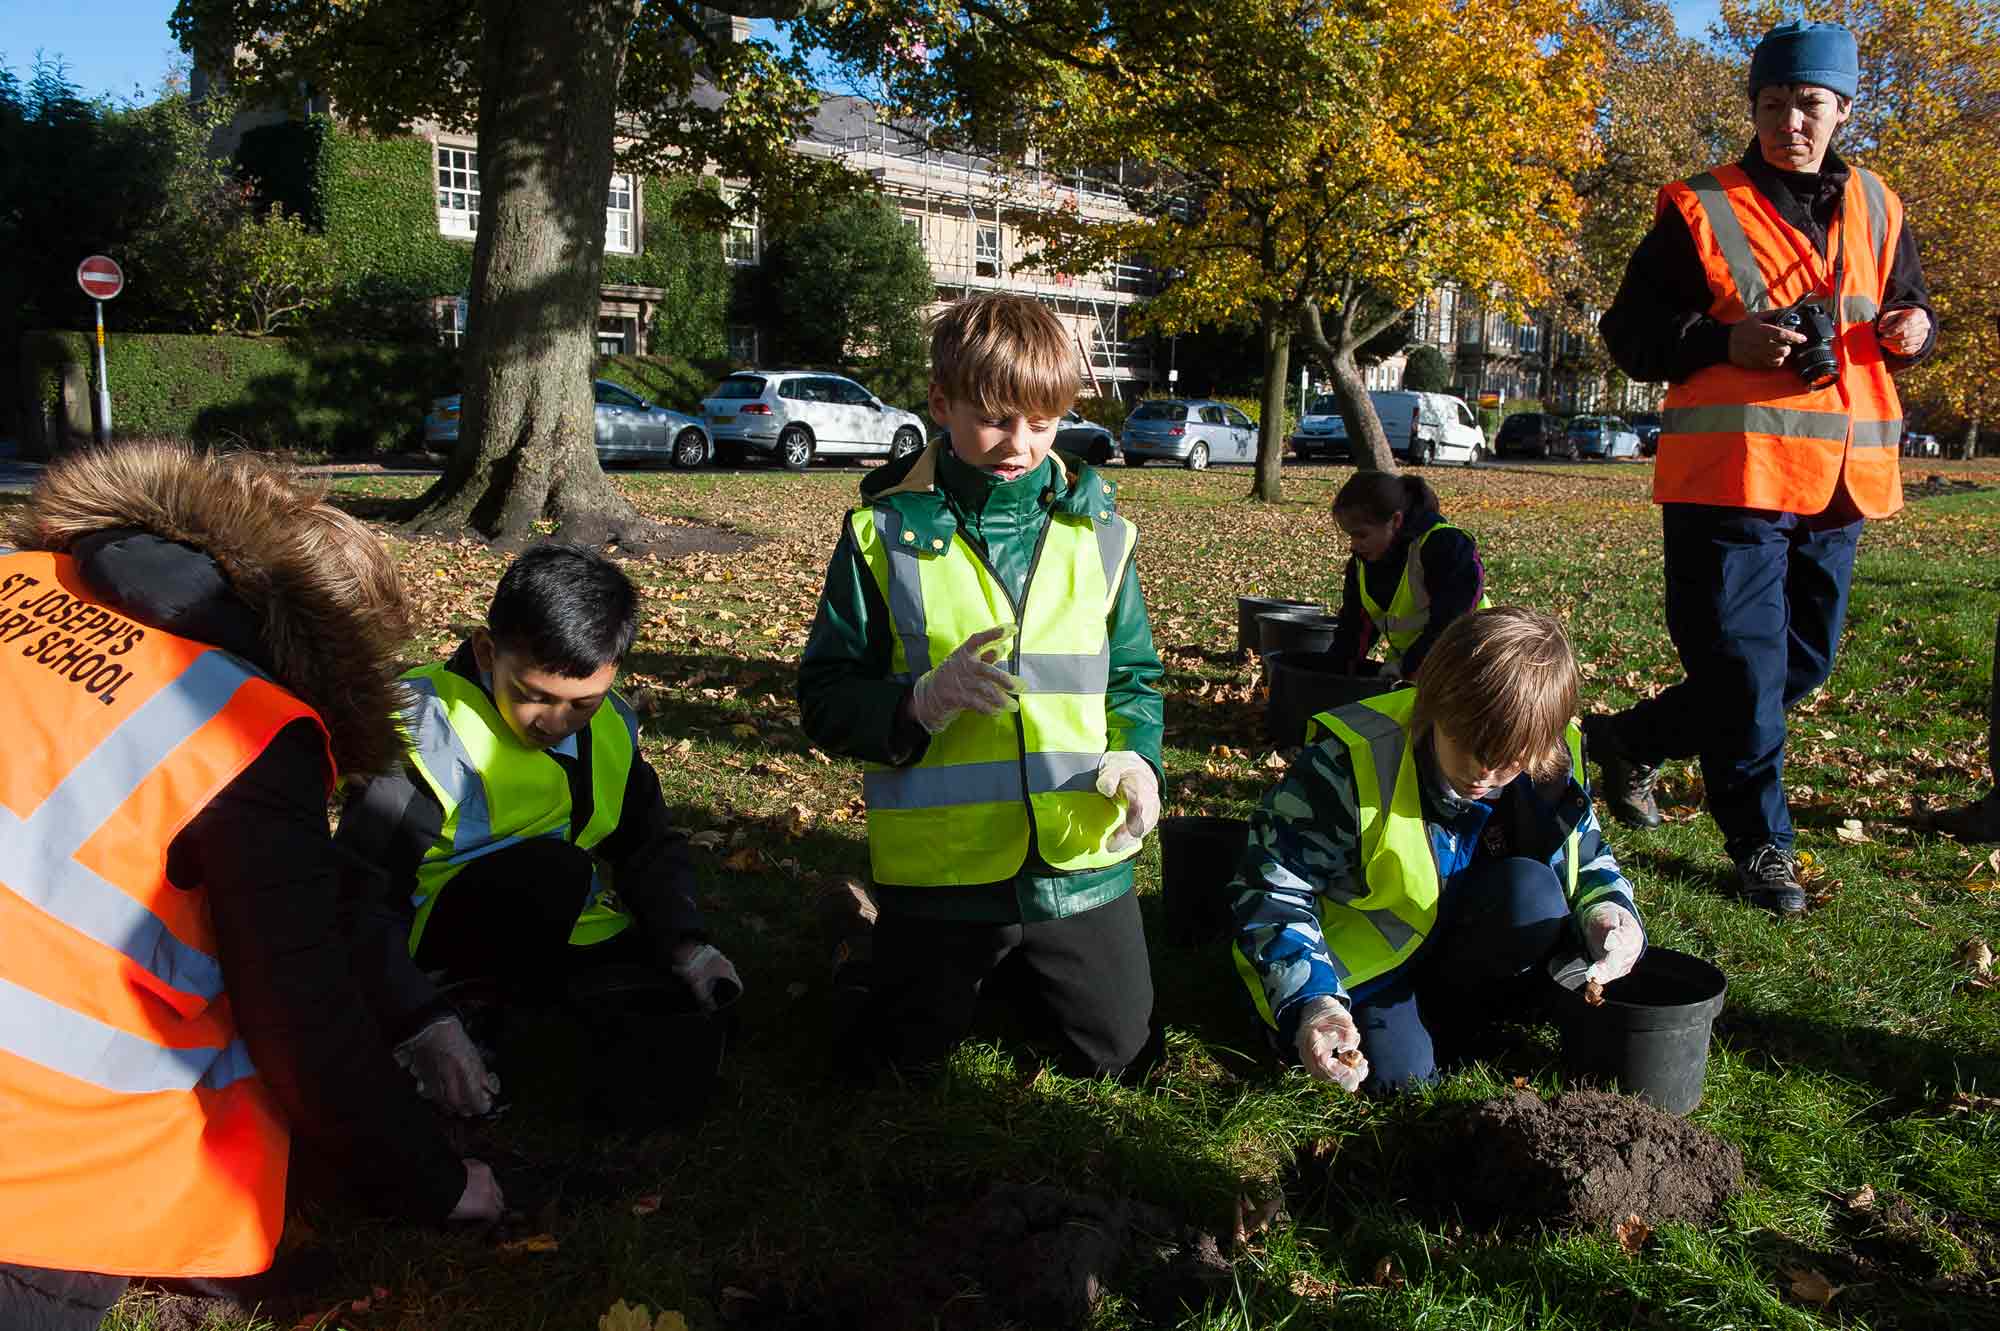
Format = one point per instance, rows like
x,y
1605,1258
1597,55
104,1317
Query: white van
x,y
1443,428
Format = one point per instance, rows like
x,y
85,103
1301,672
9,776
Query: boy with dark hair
x,y
983,644
523,786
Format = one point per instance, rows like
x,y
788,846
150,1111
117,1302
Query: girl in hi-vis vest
x,y
1410,575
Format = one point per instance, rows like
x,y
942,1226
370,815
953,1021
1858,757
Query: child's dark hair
x,y
566,608
1381,495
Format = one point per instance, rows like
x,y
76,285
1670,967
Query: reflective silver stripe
x,y
1385,745
1730,237
979,783
46,1033
449,763
40,849
1755,419
1394,931
1111,553
1858,309
1878,434
906,590
1877,198
1066,672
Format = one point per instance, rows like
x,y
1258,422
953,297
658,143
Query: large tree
x,y
1309,165
556,94
849,287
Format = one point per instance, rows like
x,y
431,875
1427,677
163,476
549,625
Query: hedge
x,y
267,393
665,381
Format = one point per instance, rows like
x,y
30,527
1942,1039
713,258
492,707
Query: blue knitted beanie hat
x,y
1801,52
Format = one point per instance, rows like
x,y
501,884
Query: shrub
x,y
665,381
1426,371
263,393
1110,412
1253,407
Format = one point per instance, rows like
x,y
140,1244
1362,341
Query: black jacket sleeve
x,y
1455,580
298,935
650,868
1658,329
1354,632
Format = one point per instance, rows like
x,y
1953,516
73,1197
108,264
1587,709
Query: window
x,y
1212,416
458,191
851,393
1447,326
743,346
740,387
615,336
451,320
1420,319
915,225
611,395
1238,419
986,251
1530,340
741,245
619,216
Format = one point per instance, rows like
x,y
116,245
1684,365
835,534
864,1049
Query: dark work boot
x,y
1978,821
1766,878
1625,783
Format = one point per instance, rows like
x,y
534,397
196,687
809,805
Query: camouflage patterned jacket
x,y
1304,845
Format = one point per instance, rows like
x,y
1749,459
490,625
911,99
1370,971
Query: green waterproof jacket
x,y
850,704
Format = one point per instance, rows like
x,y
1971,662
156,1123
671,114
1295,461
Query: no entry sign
x,y
100,278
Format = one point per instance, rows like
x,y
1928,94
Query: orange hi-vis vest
x,y
138,1137
1761,438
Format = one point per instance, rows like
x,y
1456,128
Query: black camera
x,y
1813,358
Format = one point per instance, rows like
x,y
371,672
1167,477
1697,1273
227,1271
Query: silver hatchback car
x,y
798,415
1192,432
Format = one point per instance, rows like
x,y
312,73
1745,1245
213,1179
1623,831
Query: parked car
x,y
1085,439
1921,446
1192,432
798,415
1604,437
1321,432
1647,426
1429,427
629,428
1532,434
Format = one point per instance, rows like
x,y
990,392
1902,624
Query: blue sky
x,y
117,46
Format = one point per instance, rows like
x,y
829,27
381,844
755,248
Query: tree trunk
x,y
1970,448
1276,327
527,435
1365,436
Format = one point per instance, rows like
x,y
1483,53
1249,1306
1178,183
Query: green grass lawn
x,y
1849,1056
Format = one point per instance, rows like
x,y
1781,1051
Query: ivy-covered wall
x,y
376,199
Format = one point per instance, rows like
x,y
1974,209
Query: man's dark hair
x,y
566,608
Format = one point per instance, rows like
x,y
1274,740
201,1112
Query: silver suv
x,y
798,415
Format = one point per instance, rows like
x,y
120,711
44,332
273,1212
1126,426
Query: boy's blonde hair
x,y
1006,355
1502,683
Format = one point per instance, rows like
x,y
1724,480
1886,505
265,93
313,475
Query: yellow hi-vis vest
x,y
496,791
1374,933
991,787
1409,611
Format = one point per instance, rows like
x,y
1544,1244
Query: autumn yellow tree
x,y
1927,118
1307,167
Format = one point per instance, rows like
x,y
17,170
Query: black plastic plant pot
x,y
1198,859
1295,631
1650,1035
1307,682
654,1056
1249,607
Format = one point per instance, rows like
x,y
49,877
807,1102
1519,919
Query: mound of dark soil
x,y
1584,1159
1934,485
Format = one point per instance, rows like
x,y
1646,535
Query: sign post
x,y
101,280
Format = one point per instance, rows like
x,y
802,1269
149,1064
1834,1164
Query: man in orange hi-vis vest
x,y
1777,296
191,650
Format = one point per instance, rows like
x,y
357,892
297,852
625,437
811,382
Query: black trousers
x,y
507,917
32,1299
1085,980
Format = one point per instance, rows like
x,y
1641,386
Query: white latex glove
x,y
481,1199
1128,778
968,681
706,971
1613,937
448,1068
1326,1030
